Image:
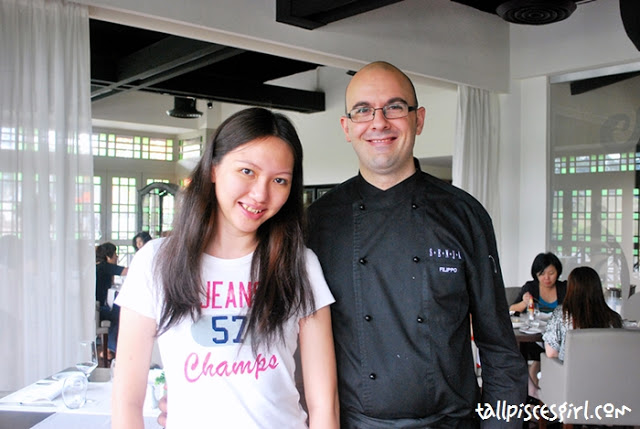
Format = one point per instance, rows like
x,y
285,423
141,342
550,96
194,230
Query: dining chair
x,y
102,332
599,380
511,293
631,307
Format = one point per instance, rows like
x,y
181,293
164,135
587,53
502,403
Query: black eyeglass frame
x,y
409,110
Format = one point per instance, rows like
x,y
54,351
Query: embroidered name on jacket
x,y
444,255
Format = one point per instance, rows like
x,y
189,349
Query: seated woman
x,y
106,268
140,239
583,307
547,292
545,289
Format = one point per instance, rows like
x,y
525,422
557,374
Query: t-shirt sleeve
x,y
139,293
321,293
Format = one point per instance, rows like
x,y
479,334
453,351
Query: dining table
x,y
527,331
23,410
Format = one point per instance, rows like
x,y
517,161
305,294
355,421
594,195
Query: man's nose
x,y
379,120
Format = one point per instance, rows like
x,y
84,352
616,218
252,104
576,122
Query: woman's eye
x,y
281,181
247,171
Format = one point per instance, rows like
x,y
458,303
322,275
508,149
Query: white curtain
x,y
47,258
476,146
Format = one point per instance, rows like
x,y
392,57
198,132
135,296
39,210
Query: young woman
x,y
230,292
546,290
107,267
140,239
583,307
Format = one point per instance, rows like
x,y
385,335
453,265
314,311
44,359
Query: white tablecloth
x,y
84,421
95,414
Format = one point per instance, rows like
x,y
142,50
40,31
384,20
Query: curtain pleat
x,y
47,258
476,146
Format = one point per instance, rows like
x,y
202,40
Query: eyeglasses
x,y
390,111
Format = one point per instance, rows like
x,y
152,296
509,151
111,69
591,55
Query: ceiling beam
x,y
223,89
585,85
107,89
311,14
163,60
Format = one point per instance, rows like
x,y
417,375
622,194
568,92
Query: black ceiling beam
x,y
586,85
311,14
162,60
220,54
223,89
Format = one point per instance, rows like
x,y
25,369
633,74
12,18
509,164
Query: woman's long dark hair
x,y
278,263
585,303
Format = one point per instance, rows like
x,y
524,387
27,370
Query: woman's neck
x,y
231,247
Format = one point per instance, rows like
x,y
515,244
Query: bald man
x,y
409,259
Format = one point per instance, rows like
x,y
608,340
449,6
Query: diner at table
x,y
541,295
583,307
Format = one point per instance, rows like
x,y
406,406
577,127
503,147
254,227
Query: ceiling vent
x,y
184,107
535,12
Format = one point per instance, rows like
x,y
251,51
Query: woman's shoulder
x,y
310,257
148,252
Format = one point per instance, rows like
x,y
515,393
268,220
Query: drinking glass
x,y
87,359
74,390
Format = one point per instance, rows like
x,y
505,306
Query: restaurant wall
x,y
437,39
590,39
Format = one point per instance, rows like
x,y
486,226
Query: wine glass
x,y
87,357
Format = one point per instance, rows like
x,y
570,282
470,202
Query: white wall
x,y
509,186
591,38
437,39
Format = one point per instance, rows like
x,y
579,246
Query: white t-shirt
x,y
215,383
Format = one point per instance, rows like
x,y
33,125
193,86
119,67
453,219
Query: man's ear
x,y
344,122
421,113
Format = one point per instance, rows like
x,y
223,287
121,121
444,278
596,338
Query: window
x,y
125,162
132,146
191,148
10,195
123,208
595,179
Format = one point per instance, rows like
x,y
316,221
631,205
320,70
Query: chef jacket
x,y
407,266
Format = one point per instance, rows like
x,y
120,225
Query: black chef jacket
x,y
407,266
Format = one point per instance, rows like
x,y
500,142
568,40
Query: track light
x,y
184,107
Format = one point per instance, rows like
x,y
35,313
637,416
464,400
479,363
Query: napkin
x,y
45,390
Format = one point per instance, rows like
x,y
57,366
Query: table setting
x,y
75,397
527,325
